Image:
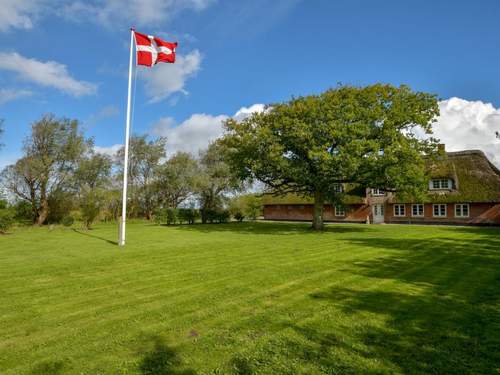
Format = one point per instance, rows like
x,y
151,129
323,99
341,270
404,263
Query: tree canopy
x,y
347,135
51,155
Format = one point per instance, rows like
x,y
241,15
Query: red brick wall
x,y
354,213
479,213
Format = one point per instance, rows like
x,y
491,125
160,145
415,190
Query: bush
x,y
249,206
211,216
223,216
238,215
60,205
67,221
23,212
160,216
6,220
187,215
253,206
171,216
90,207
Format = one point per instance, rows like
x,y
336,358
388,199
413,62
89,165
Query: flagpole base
x,y
121,232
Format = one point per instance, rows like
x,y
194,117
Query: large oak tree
x,y
347,135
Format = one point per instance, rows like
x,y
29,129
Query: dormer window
x,y
337,188
378,192
440,184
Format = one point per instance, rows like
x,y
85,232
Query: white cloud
x,y
166,79
102,114
6,95
193,134
132,12
245,112
18,14
50,74
110,150
464,125
197,131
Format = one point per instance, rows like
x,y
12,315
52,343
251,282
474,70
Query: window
x,y
462,210
417,210
440,183
339,211
439,210
399,210
377,192
337,188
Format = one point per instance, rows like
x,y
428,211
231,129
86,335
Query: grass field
x,y
263,298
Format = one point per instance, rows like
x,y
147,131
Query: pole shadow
x,y
95,236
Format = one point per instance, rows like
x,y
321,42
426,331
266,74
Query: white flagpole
x,y
127,134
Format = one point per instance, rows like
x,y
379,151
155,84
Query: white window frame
x,y
439,209
338,188
398,214
376,192
440,184
418,214
339,211
462,205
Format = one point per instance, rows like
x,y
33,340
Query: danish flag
x,y
152,50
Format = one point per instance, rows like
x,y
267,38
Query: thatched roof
x,y
475,179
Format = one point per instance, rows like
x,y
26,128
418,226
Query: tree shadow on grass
x,y
95,236
427,333
48,368
438,302
273,228
162,360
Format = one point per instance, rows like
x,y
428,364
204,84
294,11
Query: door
x,y
378,213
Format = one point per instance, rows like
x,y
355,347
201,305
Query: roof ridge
x,y
466,152
475,152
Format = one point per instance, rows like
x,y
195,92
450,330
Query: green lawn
x,y
263,298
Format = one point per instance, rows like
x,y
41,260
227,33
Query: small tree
x,y
144,158
253,206
214,181
91,179
6,220
348,135
91,203
239,216
176,179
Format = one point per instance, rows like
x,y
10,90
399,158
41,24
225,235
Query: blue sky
x,y
70,58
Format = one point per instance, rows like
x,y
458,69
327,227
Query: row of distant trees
x,y
61,177
365,136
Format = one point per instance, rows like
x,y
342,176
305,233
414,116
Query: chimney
x,y
441,149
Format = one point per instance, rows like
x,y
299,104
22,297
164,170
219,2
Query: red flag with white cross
x,y
152,50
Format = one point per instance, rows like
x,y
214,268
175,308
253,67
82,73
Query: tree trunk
x,y
43,213
319,201
203,213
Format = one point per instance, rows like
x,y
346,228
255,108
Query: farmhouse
x,y
464,188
